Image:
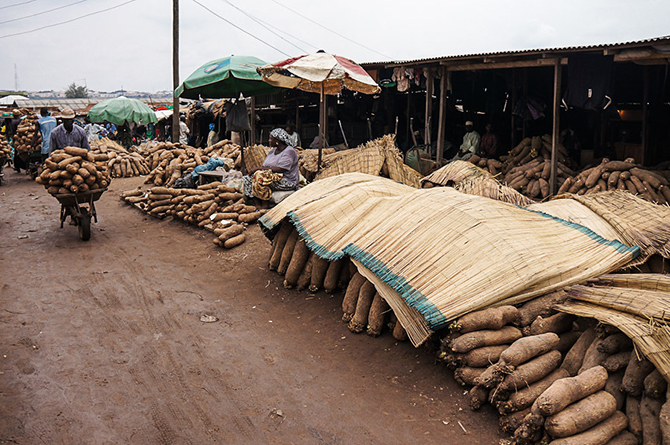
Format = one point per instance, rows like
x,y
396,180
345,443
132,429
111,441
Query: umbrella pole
x,y
322,126
252,138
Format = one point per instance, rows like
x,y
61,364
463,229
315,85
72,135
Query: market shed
x,y
615,95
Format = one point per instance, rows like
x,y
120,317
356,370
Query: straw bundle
x,y
308,159
654,282
454,173
651,337
254,156
378,157
643,303
422,244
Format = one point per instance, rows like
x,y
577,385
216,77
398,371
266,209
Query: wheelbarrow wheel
x,y
85,227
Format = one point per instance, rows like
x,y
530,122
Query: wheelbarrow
x,y
74,206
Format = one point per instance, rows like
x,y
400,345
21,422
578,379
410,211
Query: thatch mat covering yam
x,y
423,243
638,222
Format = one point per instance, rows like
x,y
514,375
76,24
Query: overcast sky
x,y
130,47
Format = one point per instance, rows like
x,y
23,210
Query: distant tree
x,y
75,92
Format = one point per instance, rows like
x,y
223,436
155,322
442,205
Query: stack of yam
x,y
121,162
73,170
169,162
527,167
364,310
493,166
5,148
28,137
651,185
215,207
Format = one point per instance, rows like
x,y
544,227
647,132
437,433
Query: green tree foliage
x,y
74,92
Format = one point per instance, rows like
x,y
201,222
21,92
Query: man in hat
x,y
45,125
67,134
470,143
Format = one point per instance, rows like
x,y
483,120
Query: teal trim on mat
x,y
617,245
312,245
412,297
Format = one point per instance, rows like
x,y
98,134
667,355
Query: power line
x,y
244,31
334,32
43,12
261,22
17,4
67,21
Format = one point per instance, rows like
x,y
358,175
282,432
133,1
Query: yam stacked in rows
x,y
27,137
73,170
363,307
621,175
121,162
527,167
5,148
169,162
213,206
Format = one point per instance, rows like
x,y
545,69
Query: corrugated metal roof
x,y
645,42
75,104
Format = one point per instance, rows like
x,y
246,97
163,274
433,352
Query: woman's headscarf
x,y
282,135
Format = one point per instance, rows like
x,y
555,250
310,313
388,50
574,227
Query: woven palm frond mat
x,y
638,222
468,178
254,156
443,252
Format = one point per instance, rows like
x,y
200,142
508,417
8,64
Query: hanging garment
x,y
589,80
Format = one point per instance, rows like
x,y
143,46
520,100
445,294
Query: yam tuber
x,y
581,415
563,392
492,318
477,339
365,297
599,434
575,356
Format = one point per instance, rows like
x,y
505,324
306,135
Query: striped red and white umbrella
x,y
319,72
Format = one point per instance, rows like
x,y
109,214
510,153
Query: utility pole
x,y
175,70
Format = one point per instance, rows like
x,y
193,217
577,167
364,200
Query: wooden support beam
x,y
429,106
441,126
554,130
645,99
252,137
502,65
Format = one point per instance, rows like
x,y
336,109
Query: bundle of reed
x,y
380,157
646,281
308,159
74,170
468,178
527,167
215,207
254,156
5,148
122,163
169,162
28,136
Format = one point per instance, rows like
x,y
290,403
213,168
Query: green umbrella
x,y
227,77
120,110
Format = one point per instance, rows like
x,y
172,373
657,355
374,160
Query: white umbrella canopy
x,y
321,73
313,72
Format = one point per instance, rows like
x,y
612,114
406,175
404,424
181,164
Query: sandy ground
x,y
102,343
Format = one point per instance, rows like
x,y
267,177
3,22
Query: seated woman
x,y
278,173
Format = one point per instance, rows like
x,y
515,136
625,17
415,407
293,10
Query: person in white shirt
x,y
470,144
183,131
295,137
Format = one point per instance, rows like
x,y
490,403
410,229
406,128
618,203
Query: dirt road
x,y
102,343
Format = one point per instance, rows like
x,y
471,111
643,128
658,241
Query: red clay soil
x,y
102,343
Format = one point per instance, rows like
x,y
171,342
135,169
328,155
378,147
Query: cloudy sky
x,y
130,47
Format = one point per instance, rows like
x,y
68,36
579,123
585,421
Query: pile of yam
x,y
74,170
364,310
5,148
121,162
527,167
621,175
556,378
168,162
215,207
28,137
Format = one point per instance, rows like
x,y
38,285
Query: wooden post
x,y
175,70
322,126
252,138
512,106
429,107
525,97
441,125
645,99
554,134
